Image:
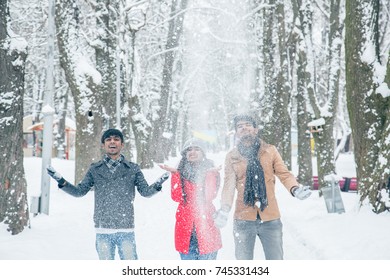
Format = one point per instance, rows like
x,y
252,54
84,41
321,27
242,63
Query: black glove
x,y
160,181
55,175
163,178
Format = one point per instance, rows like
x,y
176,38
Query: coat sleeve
x,y
82,188
282,172
176,189
229,184
143,187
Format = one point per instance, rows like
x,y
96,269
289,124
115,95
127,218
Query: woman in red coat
x,y
194,185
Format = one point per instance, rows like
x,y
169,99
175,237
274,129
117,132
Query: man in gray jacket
x,y
114,180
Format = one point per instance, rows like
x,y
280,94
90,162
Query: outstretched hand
x,y
167,168
163,178
302,192
158,184
55,175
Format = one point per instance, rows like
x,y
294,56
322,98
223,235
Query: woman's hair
x,y
193,171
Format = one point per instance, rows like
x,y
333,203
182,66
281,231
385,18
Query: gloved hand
x,y
221,217
301,192
163,178
158,184
55,175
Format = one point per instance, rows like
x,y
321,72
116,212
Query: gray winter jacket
x,y
114,193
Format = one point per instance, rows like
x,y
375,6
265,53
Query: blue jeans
x,y
124,241
269,233
193,252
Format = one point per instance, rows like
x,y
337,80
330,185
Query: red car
x,y
346,184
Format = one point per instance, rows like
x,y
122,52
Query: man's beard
x,y
248,140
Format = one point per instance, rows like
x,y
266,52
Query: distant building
x,y
32,137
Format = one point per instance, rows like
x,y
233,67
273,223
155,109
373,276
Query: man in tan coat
x,y
250,168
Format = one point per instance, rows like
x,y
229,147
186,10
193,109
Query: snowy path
x,y
296,246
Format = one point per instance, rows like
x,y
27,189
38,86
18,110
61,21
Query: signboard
x,y
332,195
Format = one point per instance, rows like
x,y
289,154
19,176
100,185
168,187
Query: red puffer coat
x,y
196,212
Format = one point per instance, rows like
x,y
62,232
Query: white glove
x,y
220,218
301,192
55,175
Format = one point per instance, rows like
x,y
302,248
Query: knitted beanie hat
x,y
193,142
243,117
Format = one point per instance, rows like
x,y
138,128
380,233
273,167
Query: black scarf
x,y
255,183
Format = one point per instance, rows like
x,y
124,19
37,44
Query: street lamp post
x,y
48,115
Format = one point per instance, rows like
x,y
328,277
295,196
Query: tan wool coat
x,y
235,176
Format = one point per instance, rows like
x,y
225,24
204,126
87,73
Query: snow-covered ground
x,y
310,232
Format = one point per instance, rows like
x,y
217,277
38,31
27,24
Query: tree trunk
x,y
141,129
305,167
84,82
281,115
268,50
13,187
140,126
324,139
369,111
157,145
270,107
105,54
325,142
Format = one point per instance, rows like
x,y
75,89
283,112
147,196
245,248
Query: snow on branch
x,y
383,89
369,55
132,5
332,178
317,122
187,10
258,8
16,42
85,69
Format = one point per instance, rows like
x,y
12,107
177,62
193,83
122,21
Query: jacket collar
x,y
101,163
124,160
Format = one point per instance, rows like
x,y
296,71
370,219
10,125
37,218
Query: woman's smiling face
x,y
194,154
